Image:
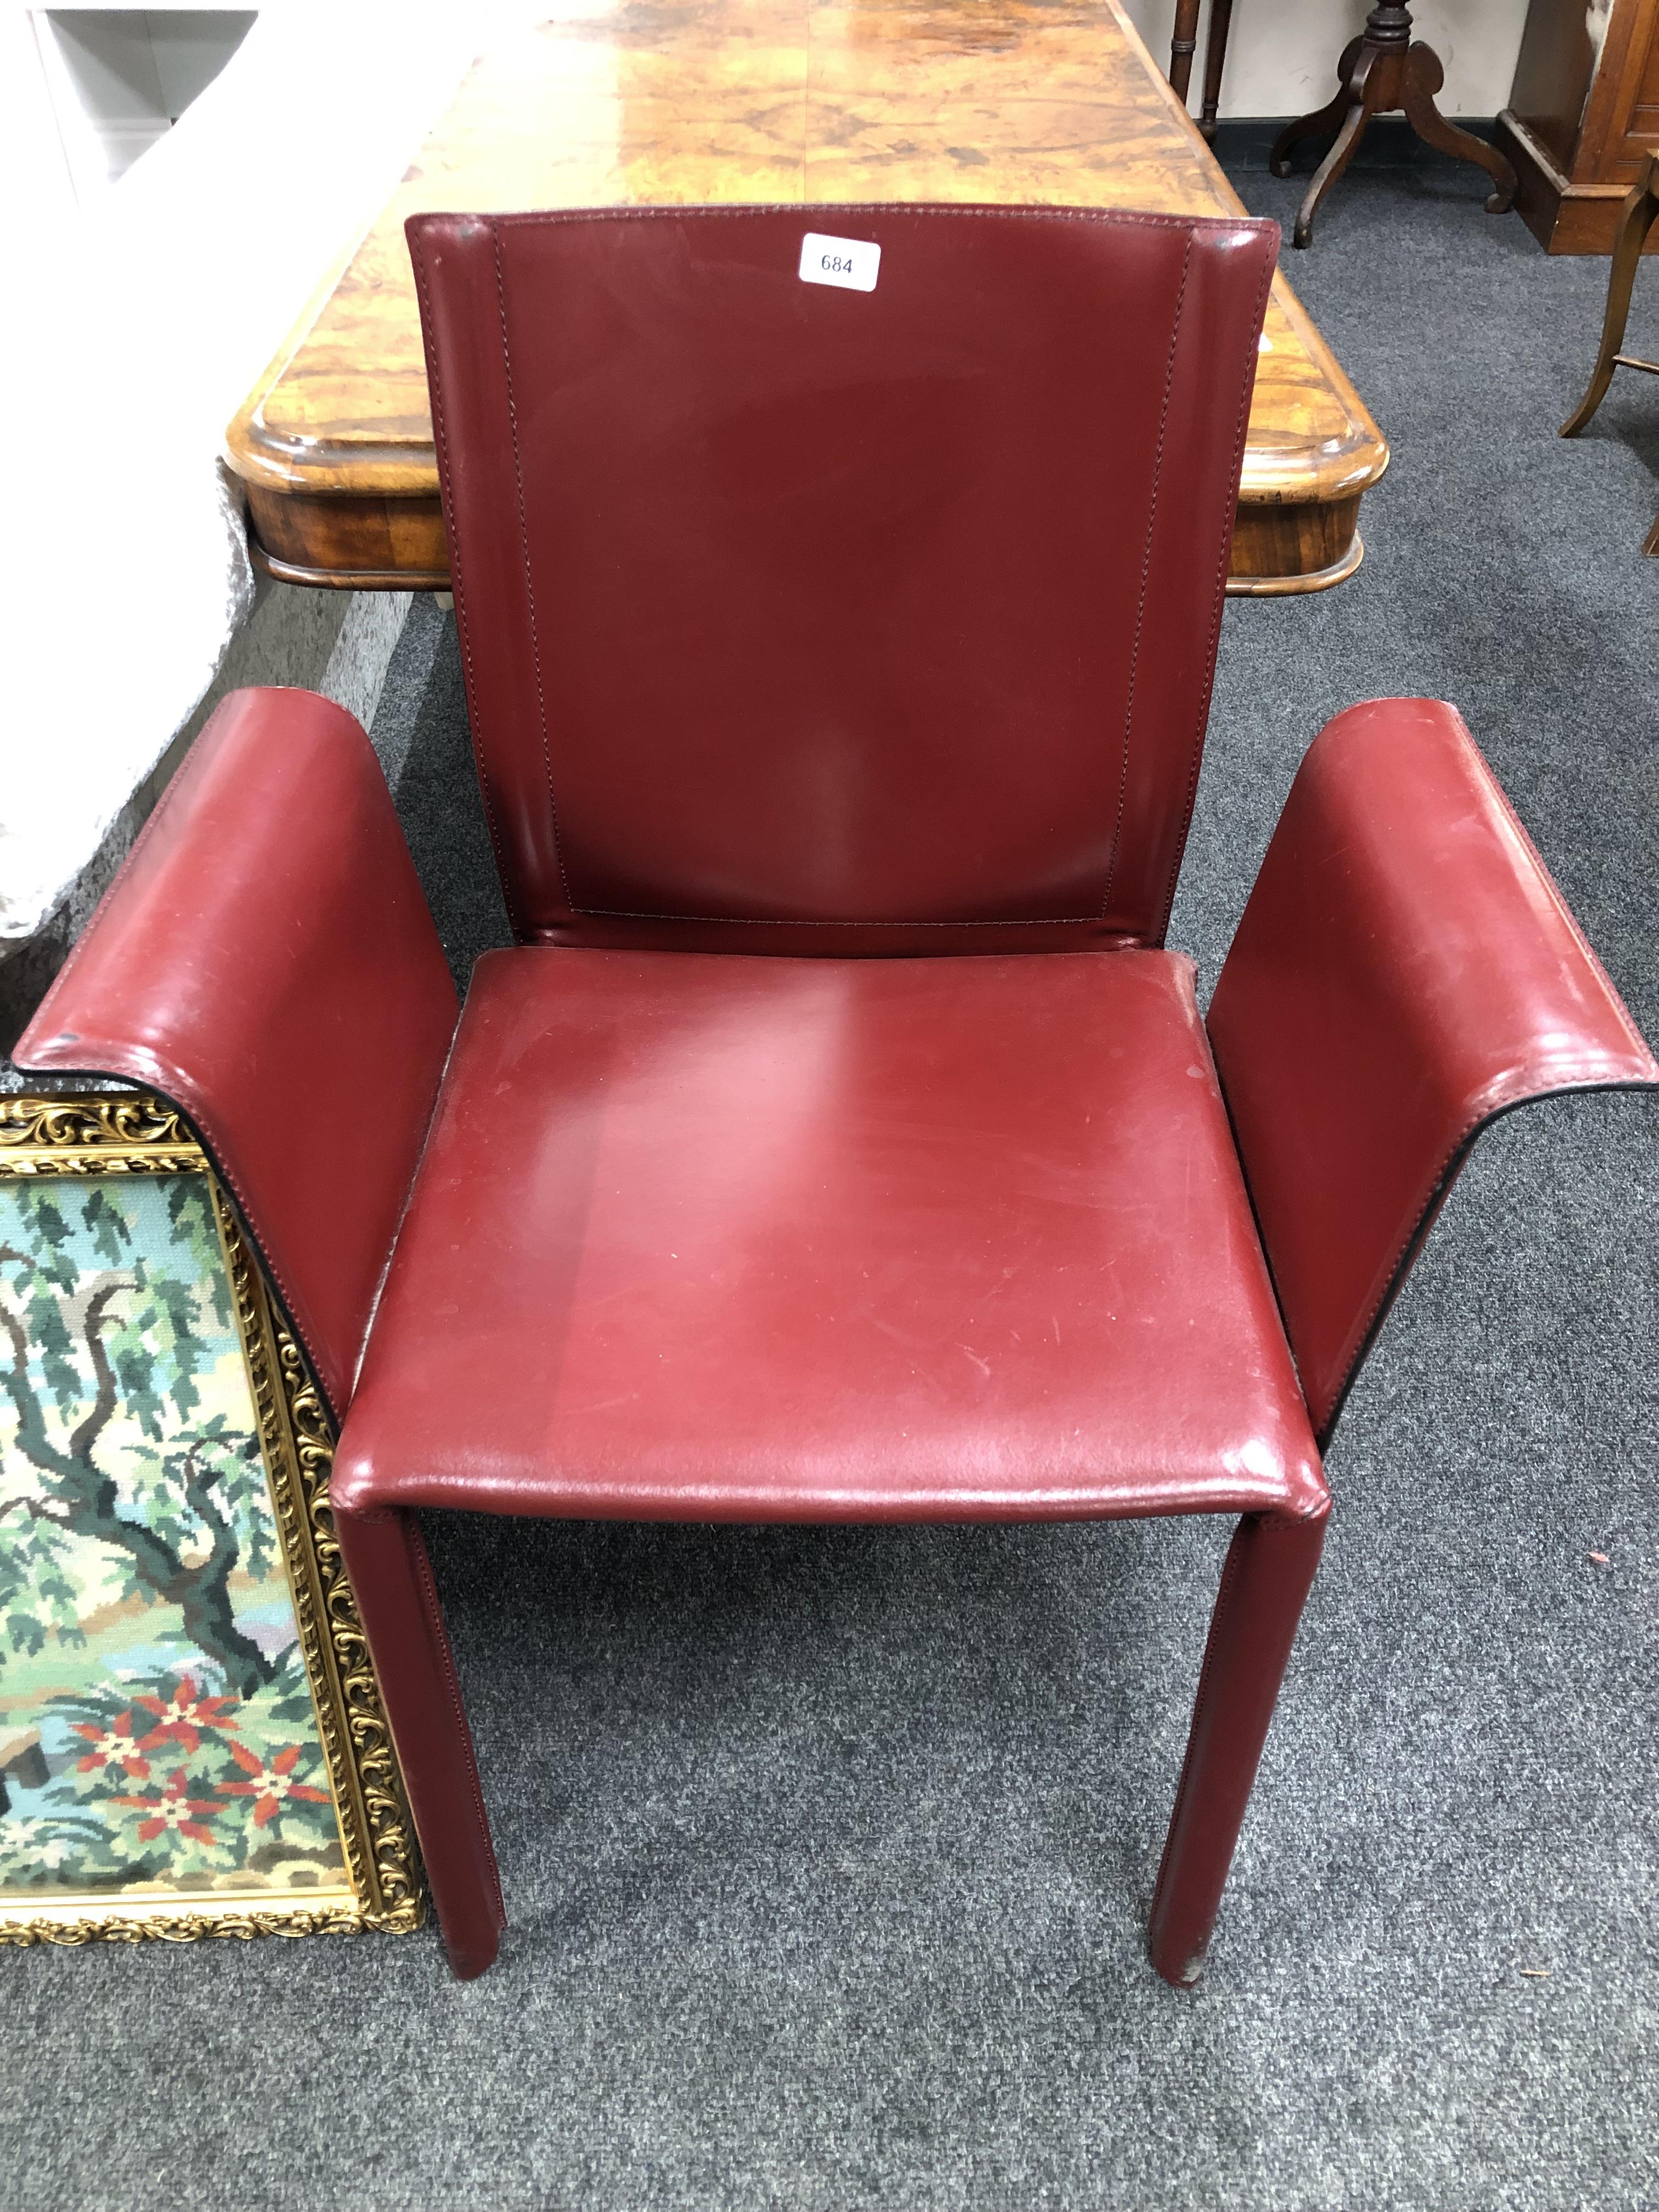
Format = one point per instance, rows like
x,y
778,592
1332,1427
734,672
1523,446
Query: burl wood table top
x,y
637,102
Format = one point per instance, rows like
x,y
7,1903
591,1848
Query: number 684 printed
x,y
851,262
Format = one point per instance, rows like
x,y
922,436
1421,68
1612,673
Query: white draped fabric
x,y
136,327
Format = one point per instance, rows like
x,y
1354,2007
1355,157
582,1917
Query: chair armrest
x,y
265,961
1406,971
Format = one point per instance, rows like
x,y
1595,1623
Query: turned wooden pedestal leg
x,y
1184,44
1215,56
1381,72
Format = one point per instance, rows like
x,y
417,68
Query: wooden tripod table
x,y
798,101
1382,70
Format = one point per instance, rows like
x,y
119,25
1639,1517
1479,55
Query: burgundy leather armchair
x,y
840,1142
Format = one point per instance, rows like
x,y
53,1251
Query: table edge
x,y
406,468
375,470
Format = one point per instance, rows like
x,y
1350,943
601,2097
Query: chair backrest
x,y
802,617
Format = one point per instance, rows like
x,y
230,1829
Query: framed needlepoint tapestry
x,y
192,1740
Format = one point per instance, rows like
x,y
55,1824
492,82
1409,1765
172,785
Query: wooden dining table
x,y
792,102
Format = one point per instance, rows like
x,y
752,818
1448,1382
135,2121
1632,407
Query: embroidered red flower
x,y
173,1810
183,1717
115,1745
272,1786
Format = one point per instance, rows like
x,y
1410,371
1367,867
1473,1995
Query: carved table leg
x,y
1322,121
1635,221
1182,46
1424,78
1367,88
1380,71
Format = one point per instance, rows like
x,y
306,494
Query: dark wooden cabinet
x,y
1582,119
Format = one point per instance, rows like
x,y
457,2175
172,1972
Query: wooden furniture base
x,y
1383,70
335,542
1564,217
1641,210
1582,117
1184,45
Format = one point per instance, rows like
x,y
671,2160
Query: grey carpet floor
x,y
827,1853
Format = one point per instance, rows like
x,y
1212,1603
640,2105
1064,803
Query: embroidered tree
x,y
104,1338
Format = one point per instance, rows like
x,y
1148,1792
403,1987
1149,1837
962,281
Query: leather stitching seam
x,y
1145,572
529,586
1263,1525
415,1550
181,1092
1191,225
768,921
1358,1339
1131,219
163,806
1554,891
1230,1573
1162,931
440,443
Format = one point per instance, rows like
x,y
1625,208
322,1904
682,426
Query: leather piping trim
x,y
1414,1242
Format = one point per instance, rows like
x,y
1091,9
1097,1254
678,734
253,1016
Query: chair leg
x,y
1269,1571
1636,220
395,1596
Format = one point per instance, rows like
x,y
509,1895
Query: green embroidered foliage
x,y
137,1529
115,1321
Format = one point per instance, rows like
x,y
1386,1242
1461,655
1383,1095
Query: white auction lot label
x,y
851,263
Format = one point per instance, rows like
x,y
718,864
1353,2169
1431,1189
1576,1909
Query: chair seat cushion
x,y
717,1237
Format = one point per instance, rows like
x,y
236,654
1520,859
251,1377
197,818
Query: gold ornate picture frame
x,y
191,1737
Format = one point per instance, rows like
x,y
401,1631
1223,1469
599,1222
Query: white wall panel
x,y
1282,54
